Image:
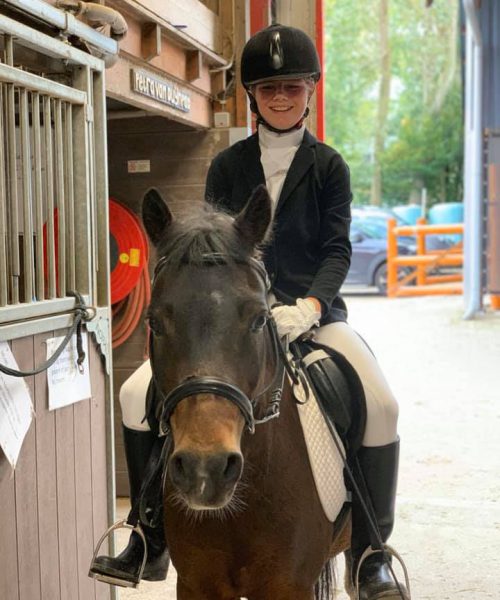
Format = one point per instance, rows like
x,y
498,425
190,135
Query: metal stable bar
x,y
35,83
60,200
49,194
25,328
10,314
82,185
70,199
38,197
39,324
13,212
30,38
3,216
102,196
28,258
94,212
66,23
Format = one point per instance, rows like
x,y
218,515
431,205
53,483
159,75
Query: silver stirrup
x,y
135,580
389,550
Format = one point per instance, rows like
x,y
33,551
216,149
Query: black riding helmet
x,y
278,52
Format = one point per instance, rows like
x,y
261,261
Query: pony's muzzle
x,y
205,481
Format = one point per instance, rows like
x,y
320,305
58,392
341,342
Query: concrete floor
x,y
446,374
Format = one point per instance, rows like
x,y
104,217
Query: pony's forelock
x,y
205,230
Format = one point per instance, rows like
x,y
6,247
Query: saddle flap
x,y
337,387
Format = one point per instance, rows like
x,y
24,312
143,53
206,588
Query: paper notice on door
x,y
67,384
16,409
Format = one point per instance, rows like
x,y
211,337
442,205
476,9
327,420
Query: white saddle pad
x,y
326,462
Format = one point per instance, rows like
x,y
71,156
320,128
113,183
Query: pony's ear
x,y
156,215
253,221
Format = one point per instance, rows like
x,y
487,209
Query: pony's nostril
x,y
233,467
177,465
180,467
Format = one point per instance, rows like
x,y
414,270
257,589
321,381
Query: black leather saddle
x,y
337,388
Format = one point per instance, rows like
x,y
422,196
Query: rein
x,y
217,386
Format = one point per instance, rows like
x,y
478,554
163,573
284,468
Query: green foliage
x,y
423,144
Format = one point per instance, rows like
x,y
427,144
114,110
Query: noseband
x,y
193,386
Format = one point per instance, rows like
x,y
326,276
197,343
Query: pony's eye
x,y
155,325
259,323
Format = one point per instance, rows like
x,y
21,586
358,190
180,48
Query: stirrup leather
x,y
391,552
136,577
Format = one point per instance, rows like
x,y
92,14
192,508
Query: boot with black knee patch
x,y
124,569
379,467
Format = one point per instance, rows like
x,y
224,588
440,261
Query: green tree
x,y
421,145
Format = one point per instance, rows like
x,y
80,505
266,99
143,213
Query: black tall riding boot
x,y
379,467
125,567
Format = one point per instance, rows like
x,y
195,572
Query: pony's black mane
x,y
205,230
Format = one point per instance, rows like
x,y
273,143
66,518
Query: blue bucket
x,y
409,213
447,212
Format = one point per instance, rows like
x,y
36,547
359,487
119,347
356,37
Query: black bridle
x,y
193,386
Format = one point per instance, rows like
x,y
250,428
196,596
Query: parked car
x,y
369,254
369,248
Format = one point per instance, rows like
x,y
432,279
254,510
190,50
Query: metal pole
x,y
28,256
12,179
38,196
49,194
473,165
69,195
81,178
60,200
3,215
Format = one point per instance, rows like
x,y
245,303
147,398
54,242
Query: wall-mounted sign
x,y
161,90
138,166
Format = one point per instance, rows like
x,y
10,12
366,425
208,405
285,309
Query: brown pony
x,y
242,515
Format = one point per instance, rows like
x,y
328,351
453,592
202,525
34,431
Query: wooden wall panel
x,y
26,491
9,582
45,423
83,489
66,501
54,506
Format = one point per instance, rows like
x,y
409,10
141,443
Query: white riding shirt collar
x,y
276,154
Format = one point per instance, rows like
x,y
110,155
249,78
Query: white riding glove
x,y
296,320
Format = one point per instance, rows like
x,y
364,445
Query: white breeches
x,y
133,398
382,408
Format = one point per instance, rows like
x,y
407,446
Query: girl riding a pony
x,y
307,258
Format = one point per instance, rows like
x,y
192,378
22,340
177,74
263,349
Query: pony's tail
x,y
325,586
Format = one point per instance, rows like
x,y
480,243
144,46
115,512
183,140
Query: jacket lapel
x,y
252,167
301,163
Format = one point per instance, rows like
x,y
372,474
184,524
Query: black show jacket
x,y
309,251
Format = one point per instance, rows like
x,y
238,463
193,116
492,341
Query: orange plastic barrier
x,y
424,263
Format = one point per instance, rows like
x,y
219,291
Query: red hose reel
x,y
128,250
130,286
